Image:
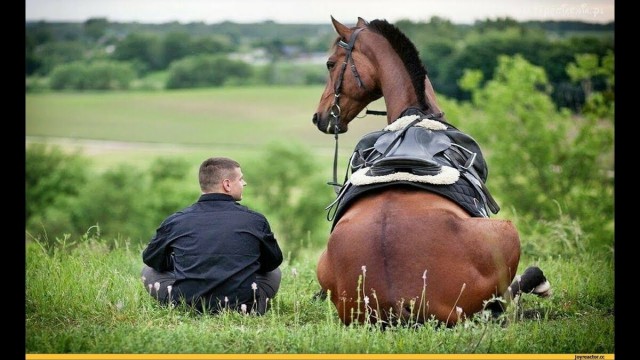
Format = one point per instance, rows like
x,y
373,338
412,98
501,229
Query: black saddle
x,y
419,150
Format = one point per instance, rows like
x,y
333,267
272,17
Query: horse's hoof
x,y
543,290
534,281
320,295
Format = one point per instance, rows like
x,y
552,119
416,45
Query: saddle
x,y
420,151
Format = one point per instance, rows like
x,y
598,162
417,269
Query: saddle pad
x,y
447,176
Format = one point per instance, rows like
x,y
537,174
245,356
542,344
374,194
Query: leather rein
x,y
335,108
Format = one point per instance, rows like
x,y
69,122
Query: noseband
x,y
335,108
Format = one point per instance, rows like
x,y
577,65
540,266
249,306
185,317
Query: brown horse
x,y
398,253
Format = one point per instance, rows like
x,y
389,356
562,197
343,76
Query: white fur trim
x,y
447,176
543,289
405,120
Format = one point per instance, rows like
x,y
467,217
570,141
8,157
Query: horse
x,y
402,252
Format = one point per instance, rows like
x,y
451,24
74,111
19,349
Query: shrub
x,y
117,202
64,201
170,189
541,159
100,75
285,183
52,177
205,71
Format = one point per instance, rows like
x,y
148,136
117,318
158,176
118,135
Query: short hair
x,y
214,170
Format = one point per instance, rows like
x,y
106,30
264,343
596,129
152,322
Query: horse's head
x,y
372,60
352,82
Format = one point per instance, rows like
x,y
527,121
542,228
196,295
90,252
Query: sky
x,y
316,11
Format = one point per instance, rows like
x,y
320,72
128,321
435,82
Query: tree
x,y
143,49
284,182
52,54
95,28
205,71
211,45
584,70
541,158
175,46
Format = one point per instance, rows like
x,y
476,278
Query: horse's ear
x,y
341,29
362,22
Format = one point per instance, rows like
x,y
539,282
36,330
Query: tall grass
x,y
83,298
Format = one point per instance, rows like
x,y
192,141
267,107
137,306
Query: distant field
x,y
238,121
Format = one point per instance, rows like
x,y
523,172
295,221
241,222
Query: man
x,y
216,253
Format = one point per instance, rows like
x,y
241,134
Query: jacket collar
x,y
215,197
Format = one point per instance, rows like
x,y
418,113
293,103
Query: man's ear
x,y
226,185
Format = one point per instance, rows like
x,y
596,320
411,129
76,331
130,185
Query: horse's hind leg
x,y
322,272
532,281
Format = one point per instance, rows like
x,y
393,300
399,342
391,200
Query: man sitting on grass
x,y
215,254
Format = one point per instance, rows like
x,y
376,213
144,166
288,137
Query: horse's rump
x,y
462,259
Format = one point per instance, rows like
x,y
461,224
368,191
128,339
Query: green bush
x,y
117,201
68,76
52,178
170,189
65,201
99,75
110,75
285,184
206,71
540,159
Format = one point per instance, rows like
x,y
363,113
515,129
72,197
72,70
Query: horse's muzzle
x,y
325,125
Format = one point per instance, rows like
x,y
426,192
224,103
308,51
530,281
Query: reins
x,y
335,108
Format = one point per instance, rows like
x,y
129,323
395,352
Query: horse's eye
x,y
330,65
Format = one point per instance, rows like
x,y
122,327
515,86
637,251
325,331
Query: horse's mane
x,y
407,52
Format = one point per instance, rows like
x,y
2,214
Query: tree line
x,y
101,55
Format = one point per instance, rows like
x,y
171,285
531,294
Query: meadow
x,y
88,298
132,126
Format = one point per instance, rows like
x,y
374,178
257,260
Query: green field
x,y
135,126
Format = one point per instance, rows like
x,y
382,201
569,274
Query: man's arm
x,y
271,254
157,254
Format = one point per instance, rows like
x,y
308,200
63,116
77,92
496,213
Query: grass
x,y
132,127
201,117
89,299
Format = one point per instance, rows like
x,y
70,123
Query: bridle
x,y
335,108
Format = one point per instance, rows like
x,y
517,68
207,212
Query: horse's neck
x,y
398,91
430,96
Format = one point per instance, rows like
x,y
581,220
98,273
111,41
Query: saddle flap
x,y
418,142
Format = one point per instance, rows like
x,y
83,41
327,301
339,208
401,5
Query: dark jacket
x,y
214,247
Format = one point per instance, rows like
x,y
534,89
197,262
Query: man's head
x,y
222,175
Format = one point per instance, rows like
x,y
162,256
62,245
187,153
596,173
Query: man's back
x,y
215,253
217,247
